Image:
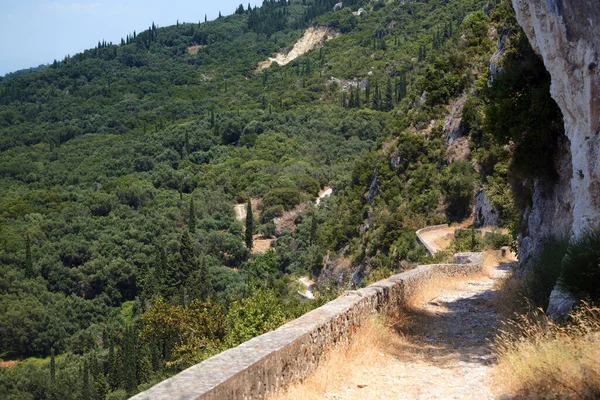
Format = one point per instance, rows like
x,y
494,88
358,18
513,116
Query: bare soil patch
x,y
10,364
261,245
193,50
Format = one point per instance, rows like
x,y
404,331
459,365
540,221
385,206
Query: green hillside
x,y
119,247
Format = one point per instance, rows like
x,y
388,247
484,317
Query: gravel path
x,y
446,351
438,239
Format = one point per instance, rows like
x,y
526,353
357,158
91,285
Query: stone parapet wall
x,y
430,250
273,361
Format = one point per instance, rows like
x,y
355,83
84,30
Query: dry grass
x,y
542,360
344,365
511,296
193,50
490,261
437,287
261,245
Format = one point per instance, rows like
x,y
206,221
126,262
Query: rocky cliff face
x,y
567,36
566,33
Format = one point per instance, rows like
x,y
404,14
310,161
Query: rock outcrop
x,y
313,38
566,34
485,213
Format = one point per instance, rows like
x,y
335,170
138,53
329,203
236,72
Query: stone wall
x,y
430,250
271,362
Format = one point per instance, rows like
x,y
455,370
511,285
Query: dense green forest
x,y
121,259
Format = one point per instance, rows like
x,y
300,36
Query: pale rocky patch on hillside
x,y
193,50
313,38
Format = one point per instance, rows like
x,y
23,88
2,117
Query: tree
x,y
129,360
114,368
29,272
249,226
376,97
143,363
388,101
52,367
86,384
189,262
459,184
192,216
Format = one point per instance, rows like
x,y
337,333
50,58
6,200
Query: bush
x,y
288,198
459,184
467,240
580,272
496,241
269,213
545,270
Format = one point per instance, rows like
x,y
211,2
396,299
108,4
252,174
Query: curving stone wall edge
x,y
271,362
430,250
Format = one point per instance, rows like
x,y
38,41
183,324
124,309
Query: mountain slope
x,y
120,167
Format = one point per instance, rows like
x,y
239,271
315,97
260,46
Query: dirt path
x,y
442,350
322,194
308,284
438,239
240,211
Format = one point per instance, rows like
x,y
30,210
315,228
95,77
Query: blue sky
x,y
34,32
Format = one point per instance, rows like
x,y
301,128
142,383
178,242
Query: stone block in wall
x,y
468,258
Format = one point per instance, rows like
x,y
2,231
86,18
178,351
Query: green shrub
x,y
580,273
286,197
496,241
269,213
545,270
459,183
467,240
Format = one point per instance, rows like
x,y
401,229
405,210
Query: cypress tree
x,y
29,273
114,369
160,269
388,103
376,97
52,367
205,282
188,258
144,363
100,385
129,361
192,216
86,392
249,226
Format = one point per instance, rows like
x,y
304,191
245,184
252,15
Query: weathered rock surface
x,y
485,213
567,36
